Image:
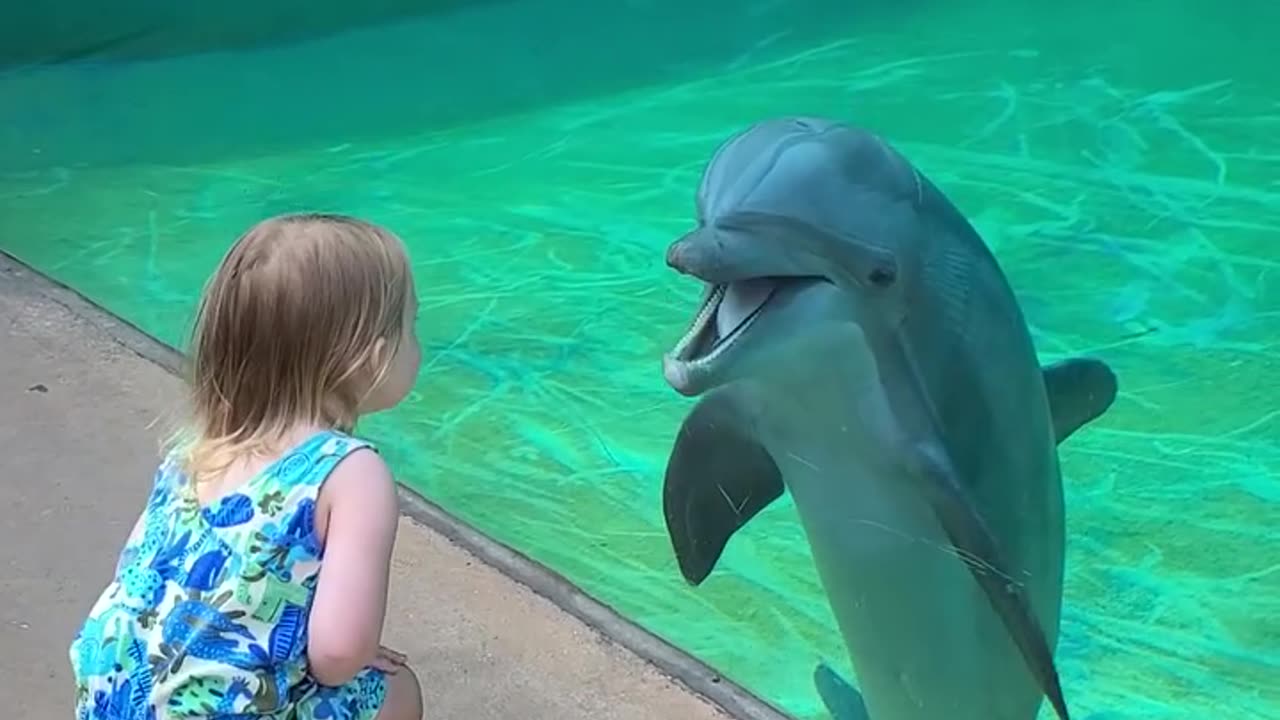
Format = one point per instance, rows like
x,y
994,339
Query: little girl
x,y
254,584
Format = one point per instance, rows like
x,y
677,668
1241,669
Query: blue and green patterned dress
x,y
207,613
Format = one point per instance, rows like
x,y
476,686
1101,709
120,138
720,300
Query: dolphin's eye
x,y
882,277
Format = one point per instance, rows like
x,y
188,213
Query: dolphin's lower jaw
x,y
682,376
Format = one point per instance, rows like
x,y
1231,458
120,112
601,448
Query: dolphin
x,y
859,347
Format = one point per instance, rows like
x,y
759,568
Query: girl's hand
x,y
388,661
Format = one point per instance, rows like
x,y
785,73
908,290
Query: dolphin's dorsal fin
x,y
718,477
1080,390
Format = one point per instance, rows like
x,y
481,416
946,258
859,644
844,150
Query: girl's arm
x,y
357,516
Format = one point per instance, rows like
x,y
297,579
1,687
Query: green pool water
x,y
1120,158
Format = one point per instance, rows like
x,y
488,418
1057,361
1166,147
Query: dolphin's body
x,y
860,347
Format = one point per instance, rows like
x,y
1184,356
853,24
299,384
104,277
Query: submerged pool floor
x,y
1139,221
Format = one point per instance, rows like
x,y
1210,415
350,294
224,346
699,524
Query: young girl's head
x,y
307,322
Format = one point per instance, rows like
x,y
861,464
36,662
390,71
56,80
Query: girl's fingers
x,y
396,657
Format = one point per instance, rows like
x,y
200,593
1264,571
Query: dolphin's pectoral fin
x,y
843,700
976,546
1080,390
718,477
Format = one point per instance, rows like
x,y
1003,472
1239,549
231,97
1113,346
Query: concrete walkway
x,y
78,445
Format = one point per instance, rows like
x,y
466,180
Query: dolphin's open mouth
x,y
726,313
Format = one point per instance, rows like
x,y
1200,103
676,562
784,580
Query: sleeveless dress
x,y
206,616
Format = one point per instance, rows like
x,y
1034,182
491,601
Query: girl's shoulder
x,y
363,491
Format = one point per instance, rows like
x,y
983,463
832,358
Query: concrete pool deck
x,y
79,409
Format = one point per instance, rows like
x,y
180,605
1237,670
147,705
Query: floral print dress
x,y
207,613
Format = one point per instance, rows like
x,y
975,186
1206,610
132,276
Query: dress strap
x,y
309,464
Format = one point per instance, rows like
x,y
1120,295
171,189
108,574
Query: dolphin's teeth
x,y
721,342
725,314
689,343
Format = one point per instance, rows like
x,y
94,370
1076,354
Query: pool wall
x,y
472,63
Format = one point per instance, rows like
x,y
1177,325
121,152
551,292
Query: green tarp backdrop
x,y
539,155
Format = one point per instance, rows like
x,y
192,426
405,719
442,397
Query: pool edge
x,y
696,676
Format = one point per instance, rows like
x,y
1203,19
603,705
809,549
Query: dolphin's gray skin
x,y
860,346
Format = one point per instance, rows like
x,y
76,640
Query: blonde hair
x,y
286,332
